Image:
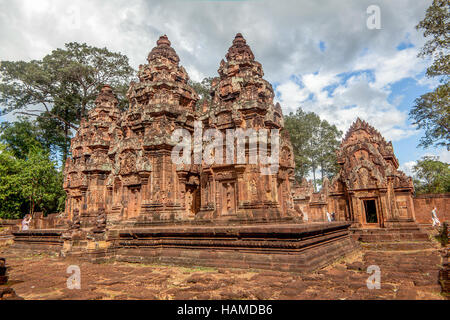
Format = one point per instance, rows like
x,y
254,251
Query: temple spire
x,y
163,50
239,50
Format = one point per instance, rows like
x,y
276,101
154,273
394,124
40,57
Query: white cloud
x,y
356,97
442,153
444,156
390,69
284,36
407,168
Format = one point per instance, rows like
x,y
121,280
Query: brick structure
x,y
128,200
122,166
424,203
88,168
369,189
243,100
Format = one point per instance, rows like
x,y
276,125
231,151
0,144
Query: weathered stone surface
x,y
3,276
369,171
243,100
121,165
263,246
6,292
139,281
369,191
86,171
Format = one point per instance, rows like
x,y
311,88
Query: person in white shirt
x,y
26,222
434,217
305,217
329,217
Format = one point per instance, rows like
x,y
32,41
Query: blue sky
x,y
319,55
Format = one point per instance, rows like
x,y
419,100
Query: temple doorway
x,y
370,209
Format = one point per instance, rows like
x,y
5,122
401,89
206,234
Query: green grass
x,y
197,269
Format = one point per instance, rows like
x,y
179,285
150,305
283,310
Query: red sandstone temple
x,y
369,190
122,164
127,199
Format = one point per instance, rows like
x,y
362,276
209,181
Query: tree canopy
x,y
29,180
62,87
203,89
431,111
315,142
431,176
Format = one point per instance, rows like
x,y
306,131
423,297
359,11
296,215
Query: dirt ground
x,y
404,275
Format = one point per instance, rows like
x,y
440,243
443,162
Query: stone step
x,y
394,246
392,237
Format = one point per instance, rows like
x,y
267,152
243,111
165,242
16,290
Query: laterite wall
x,y
424,203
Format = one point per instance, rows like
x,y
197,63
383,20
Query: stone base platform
x,y
282,247
401,232
403,236
289,247
42,240
6,240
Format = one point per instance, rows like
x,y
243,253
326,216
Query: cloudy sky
x,y
319,55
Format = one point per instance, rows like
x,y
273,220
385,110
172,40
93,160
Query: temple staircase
x,y
399,236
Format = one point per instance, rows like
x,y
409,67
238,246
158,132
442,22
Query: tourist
x,y
305,216
333,216
329,217
434,217
25,222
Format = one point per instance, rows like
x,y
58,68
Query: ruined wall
x,y
8,225
51,221
423,204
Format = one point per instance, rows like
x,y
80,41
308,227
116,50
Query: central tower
x,y
242,99
146,186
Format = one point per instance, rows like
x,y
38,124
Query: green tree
x,y
42,182
61,87
431,176
20,137
300,126
29,180
203,89
330,139
12,200
315,142
431,111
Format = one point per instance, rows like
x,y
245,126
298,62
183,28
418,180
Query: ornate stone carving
x,y
121,164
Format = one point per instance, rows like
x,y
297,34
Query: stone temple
x,y
123,166
128,200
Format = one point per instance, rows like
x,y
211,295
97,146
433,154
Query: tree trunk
x,y
321,170
314,178
66,138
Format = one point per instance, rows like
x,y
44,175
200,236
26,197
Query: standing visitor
x,y
26,222
434,217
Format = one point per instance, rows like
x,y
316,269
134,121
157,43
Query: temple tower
x,y
89,167
147,186
242,99
369,189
